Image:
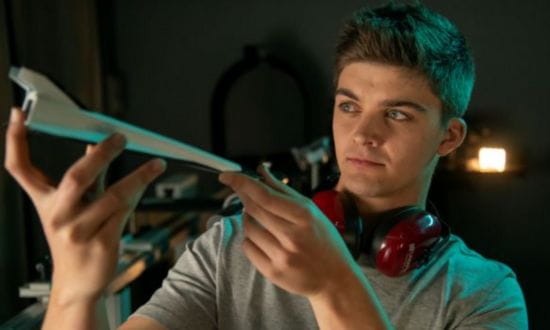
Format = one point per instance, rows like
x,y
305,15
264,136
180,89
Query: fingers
x,y
277,226
273,182
111,230
118,201
80,176
98,186
262,238
17,160
256,256
283,205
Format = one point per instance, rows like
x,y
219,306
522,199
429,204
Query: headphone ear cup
x,y
404,239
340,209
329,203
384,223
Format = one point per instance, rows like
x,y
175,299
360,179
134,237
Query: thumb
x,y
272,181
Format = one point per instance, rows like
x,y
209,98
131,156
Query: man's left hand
x,y
287,238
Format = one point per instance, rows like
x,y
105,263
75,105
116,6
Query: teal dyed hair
x,y
413,36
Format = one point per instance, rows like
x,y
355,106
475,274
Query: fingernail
x,y
159,165
225,178
15,115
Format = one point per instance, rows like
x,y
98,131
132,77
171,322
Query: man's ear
x,y
455,132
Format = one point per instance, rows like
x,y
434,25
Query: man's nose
x,y
369,131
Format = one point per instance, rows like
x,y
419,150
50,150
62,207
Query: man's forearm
x,y
352,304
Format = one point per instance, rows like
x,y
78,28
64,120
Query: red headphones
x,y
395,242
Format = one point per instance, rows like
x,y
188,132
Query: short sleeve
x,y
503,308
187,297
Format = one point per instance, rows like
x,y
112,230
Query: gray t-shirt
x,y
213,285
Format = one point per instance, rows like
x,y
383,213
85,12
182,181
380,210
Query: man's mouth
x,y
363,162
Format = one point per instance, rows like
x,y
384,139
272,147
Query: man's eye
x,y
397,115
347,107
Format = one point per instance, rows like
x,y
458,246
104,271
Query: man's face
x,y
387,130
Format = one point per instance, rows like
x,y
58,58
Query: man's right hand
x,y
82,225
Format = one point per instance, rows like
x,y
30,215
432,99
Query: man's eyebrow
x,y
403,103
346,92
387,103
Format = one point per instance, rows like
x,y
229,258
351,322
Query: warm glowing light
x,y
492,159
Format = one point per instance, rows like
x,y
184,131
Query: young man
x,y
403,80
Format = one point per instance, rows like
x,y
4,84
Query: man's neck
x,y
413,196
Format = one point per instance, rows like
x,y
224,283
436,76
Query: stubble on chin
x,y
361,186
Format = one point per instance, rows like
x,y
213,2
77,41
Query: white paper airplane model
x,y
51,111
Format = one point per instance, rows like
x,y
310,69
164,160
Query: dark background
x,y
156,64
